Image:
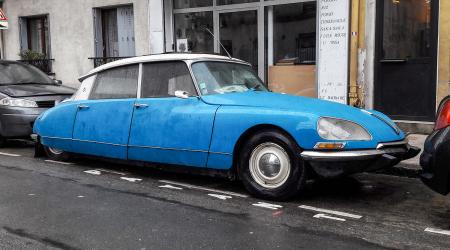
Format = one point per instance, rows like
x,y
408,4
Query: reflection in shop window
x,y
407,29
180,4
191,34
291,48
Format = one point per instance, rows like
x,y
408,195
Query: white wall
x,y
369,67
71,31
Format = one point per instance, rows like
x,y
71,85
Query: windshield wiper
x,y
256,88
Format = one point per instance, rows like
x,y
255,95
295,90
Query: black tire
x,y
56,155
292,183
2,141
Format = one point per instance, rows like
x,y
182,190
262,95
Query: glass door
x,y
238,33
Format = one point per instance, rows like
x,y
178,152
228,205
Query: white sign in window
x,y
333,53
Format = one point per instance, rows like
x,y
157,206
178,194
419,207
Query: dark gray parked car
x,y
25,92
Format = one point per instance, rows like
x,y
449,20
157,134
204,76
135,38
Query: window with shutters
x,y
114,32
34,35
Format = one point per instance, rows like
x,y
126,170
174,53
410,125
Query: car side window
x,y
163,79
116,83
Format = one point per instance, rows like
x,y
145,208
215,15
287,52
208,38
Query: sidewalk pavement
x,y
410,167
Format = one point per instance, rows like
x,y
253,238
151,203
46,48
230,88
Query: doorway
x,y
406,59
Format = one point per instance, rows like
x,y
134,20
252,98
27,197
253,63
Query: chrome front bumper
x,y
344,162
344,155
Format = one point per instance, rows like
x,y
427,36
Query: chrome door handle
x,y
140,105
83,107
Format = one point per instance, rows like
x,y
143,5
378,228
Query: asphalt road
x,y
91,204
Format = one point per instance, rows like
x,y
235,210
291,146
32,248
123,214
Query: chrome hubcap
x,y
269,165
55,151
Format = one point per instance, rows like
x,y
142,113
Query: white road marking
x,y
8,154
324,216
60,162
220,196
94,172
204,188
111,171
31,194
170,187
80,196
130,179
327,211
437,231
267,205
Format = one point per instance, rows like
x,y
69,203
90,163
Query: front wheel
x,y
269,166
56,154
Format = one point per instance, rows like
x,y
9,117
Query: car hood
x,y
279,101
27,90
375,122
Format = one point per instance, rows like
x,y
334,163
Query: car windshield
x,y
16,73
225,77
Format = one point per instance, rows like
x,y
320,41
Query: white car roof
x,y
159,57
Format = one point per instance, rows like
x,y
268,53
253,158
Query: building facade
x,y
390,55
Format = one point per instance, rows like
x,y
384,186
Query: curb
x,y
402,170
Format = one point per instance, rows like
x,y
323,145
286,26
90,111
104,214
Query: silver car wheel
x,y
269,165
55,151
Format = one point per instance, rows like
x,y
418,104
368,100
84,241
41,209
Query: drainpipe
x,y
354,89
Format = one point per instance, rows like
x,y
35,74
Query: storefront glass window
x,y
191,34
180,4
239,35
292,28
291,48
225,2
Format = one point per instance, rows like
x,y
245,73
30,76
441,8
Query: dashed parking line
x,y
324,216
130,179
437,231
170,187
111,171
8,154
220,196
327,211
203,188
93,172
60,162
267,205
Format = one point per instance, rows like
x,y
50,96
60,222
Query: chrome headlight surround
x,y
335,129
16,102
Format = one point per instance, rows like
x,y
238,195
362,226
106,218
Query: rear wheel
x,y
269,166
56,154
2,141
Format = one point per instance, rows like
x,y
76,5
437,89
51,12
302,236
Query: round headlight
x,y
338,129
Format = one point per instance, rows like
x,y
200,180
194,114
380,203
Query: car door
x,y
168,129
102,122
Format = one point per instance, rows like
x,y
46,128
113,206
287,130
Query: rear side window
x,y
163,79
116,83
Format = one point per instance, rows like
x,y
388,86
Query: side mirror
x,y
181,94
58,82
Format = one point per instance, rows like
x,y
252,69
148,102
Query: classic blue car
x,y
214,113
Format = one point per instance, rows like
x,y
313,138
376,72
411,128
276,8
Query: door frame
x,y
379,26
